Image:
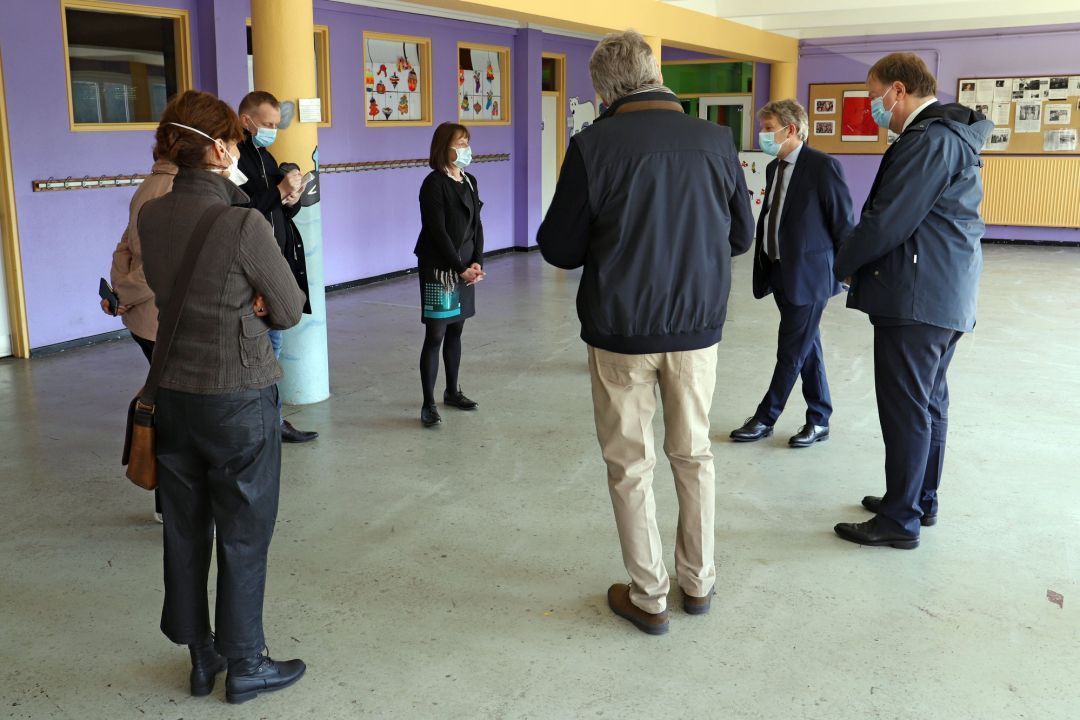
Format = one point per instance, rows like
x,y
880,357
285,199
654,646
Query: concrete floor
x,y
461,572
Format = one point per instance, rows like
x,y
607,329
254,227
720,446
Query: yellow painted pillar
x,y
656,44
783,81
282,37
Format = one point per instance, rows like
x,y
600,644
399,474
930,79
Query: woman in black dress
x,y
450,250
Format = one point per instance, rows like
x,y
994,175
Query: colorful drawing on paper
x,y
392,75
481,84
856,123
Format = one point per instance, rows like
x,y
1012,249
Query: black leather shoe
x,y
250,676
429,415
290,434
808,435
868,533
205,665
752,430
457,399
873,504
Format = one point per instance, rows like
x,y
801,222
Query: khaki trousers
x,y
624,402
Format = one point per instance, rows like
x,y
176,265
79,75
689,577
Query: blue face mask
x,y
877,109
464,157
768,144
264,137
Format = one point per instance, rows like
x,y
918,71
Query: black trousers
x,y
798,354
219,463
910,363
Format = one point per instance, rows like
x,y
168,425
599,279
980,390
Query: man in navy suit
x,y
807,212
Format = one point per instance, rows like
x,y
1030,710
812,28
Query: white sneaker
x,y
157,517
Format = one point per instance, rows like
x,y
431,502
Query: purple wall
x,y
370,220
1031,52
66,237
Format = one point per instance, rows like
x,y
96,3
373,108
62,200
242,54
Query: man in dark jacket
x,y
807,212
276,195
914,262
652,204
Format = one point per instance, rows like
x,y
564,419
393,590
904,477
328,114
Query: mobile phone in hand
x,y
108,295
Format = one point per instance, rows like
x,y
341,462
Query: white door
x,y
736,112
549,149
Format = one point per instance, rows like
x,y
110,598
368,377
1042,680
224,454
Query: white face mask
x,y
233,170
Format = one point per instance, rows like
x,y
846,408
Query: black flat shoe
x,y
752,430
290,434
429,415
250,676
205,665
873,504
457,399
868,533
808,435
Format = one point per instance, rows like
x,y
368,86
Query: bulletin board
x,y
840,122
1031,115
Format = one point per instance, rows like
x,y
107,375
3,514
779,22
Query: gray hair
x,y
623,64
787,112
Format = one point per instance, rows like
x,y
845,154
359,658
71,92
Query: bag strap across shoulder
x,y
170,318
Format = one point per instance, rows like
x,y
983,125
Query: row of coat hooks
x,y
114,181
399,164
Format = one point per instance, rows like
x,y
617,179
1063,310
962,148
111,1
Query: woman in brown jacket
x,y
218,444
136,307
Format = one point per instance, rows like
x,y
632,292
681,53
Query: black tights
x,y
449,337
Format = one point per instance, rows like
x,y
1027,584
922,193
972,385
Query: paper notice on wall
x,y
984,90
1074,86
998,140
1058,114
1019,86
1002,90
1059,88
1028,116
1060,140
1001,113
968,93
310,110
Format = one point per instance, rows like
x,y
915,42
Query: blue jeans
x,y
275,342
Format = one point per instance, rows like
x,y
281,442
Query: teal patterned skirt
x,y
445,297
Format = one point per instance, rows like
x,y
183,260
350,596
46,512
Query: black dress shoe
x,y
873,504
752,430
205,665
808,435
429,415
250,676
457,399
290,434
868,533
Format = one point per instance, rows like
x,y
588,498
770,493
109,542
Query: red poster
x,y
857,124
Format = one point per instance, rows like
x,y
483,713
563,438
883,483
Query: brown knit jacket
x,y
220,345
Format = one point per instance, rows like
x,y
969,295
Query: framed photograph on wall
x,y
397,80
483,84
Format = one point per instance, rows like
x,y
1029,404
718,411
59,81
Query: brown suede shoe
x,y
696,605
618,599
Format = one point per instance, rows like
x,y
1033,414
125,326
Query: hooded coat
x,y
916,254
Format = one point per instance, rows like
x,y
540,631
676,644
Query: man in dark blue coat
x,y
807,212
914,262
652,204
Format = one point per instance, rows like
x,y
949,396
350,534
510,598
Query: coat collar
x,y
204,182
656,99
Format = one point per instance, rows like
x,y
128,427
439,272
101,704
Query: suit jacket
x,y
815,219
451,234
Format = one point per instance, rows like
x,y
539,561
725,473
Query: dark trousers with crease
x,y
910,363
798,354
219,464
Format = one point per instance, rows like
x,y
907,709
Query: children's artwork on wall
x,y
582,115
483,83
396,75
